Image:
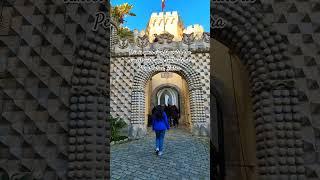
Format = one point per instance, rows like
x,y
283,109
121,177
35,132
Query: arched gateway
x,y
195,92
264,52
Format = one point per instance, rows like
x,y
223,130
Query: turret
x,y
173,25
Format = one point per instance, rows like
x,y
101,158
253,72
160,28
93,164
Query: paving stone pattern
x,y
184,157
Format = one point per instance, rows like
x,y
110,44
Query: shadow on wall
x,y
230,88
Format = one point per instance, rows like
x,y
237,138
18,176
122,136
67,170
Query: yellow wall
x,y
239,142
176,80
173,25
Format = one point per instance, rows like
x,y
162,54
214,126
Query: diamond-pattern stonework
x,y
129,76
38,47
299,24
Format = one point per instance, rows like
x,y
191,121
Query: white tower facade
x,y
173,25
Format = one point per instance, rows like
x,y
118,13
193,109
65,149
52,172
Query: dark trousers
x,y
170,120
159,139
175,122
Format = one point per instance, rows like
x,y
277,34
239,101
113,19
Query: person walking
x,y
175,115
160,124
167,110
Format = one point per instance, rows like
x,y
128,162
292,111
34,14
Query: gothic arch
x,y
138,96
169,85
275,98
169,91
166,85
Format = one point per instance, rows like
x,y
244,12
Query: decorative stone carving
x,y
123,43
143,41
164,38
206,37
188,39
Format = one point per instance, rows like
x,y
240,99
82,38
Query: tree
x,y
119,12
124,32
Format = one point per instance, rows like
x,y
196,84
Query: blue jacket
x,y
158,125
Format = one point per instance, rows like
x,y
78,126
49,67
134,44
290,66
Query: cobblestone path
x,y
185,157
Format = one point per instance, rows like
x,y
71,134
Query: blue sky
x,y
191,11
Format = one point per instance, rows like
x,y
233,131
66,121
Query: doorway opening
x,y
168,88
233,119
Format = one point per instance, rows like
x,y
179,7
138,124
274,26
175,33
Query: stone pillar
x,y
199,125
88,128
137,127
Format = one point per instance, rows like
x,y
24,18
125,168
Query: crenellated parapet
x,y
165,22
197,29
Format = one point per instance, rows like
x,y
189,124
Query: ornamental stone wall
x,y
299,24
128,78
49,124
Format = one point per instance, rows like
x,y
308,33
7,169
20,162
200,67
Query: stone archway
x,y
275,98
172,93
199,125
166,85
183,104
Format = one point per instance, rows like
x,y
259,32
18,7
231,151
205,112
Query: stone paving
x,y
185,157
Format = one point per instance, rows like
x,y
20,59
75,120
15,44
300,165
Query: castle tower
x,y
173,25
196,29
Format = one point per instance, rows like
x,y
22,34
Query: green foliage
x,y
126,33
116,125
118,13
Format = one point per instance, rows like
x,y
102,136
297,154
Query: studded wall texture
x,y
128,77
299,23
39,44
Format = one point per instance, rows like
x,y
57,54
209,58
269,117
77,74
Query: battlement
x,y
171,18
168,21
166,14
194,27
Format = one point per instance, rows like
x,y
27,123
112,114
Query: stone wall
x,y
299,23
124,70
280,37
39,45
122,74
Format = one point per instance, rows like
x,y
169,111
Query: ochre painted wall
x,y
239,129
175,80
